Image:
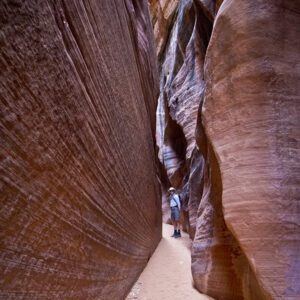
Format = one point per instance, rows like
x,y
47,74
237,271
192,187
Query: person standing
x,y
175,206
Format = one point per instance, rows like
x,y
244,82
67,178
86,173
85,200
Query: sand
x,y
168,272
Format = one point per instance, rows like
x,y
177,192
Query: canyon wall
x,y
228,138
80,204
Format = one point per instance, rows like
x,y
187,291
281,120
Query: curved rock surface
x,y
251,116
162,15
181,82
238,168
80,204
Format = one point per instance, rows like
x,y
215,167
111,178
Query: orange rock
x,y
162,16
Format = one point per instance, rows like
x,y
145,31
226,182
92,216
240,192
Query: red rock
x,y
80,204
181,87
162,16
181,82
239,171
251,116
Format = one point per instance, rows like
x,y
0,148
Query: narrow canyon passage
x,y
105,105
168,274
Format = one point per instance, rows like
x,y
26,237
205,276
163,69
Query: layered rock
x,y
162,16
80,205
251,116
181,82
237,168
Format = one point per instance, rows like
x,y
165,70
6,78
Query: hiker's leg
x,y
173,219
178,230
178,225
174,224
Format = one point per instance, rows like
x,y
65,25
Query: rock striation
x,y
80,203
162,15
228,138
251,116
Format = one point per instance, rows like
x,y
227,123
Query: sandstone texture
x,y
162,15
251,116
181,82
80,203
228,138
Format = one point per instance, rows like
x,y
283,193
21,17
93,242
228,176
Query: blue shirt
x,y
175,201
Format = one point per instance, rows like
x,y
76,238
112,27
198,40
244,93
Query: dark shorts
x,y
175,214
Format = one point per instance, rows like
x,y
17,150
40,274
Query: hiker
x,y
175,206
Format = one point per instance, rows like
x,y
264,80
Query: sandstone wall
x,y
251,116
162,15
181,82
235,159
80,204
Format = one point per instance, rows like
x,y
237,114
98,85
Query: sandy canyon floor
x,y
168,273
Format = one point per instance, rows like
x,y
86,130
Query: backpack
x,y
180,200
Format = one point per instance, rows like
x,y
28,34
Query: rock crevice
x,y
234,99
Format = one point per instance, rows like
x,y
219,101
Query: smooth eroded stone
x,y
181,84
162,14
80,203
251,116
236,159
